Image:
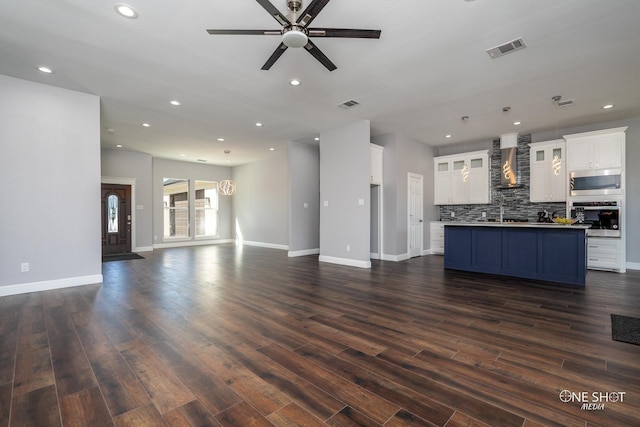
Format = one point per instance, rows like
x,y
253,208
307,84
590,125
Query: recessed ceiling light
x,y
517,123
258,124
606,107
45,70
146,125
118,145
176,103
295,82
272,149
221,139
317,138
447,136
125,10
183,155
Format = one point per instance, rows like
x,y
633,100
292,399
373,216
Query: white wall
x,y
344,180
51,201
304,202
404,155
138,167
261,203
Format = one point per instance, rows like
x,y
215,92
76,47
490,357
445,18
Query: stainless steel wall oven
x,y
603,217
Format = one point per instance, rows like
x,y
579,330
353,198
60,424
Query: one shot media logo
x,y
592,400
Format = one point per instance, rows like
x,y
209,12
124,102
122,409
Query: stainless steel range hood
x,y
509,172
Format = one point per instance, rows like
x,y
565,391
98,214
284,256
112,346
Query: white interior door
x,y
414,209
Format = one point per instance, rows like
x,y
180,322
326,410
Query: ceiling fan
x,y
295,30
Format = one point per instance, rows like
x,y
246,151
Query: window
x,y
176,207
112,213
206,208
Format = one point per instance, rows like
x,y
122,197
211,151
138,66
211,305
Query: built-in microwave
x,y
595,182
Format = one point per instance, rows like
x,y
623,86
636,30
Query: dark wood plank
x,y
121,389
193,414
212,392
33,363
85,408
293,415
144,416
36,408
350,417
72,370
242,415
166,391
5,403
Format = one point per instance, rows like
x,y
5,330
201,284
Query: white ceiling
x,y
428,69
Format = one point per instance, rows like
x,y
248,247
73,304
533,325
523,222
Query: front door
x,y
415,215
116,219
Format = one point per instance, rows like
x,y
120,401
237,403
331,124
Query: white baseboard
x,y
182,243
633,265
143,249
304,252
47,285
345,261
400,257
264,245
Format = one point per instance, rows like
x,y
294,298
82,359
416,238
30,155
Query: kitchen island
x,y
547,252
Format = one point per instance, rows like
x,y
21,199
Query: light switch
x,y
361,202
305,205
325,203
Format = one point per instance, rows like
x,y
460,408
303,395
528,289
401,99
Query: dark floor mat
x,y
121,257
625,329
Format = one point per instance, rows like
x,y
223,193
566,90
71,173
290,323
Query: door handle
x,y
420,220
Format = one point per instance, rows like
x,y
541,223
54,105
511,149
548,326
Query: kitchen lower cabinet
x,y
605,253
436,231
549,253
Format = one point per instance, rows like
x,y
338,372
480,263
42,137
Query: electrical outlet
x,y
484,214
453,214
24,267
348,248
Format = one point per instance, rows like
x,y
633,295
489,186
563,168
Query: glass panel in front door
x,y
112,213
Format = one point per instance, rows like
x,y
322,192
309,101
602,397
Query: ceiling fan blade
x,y
344,32
274,56
310,13
317,53
273,11
246,32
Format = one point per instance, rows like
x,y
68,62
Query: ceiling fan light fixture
x,y
295,37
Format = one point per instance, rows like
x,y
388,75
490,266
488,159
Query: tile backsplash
x,y
516,200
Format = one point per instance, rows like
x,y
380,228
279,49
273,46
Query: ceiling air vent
x,y
348,104
512,46
565,103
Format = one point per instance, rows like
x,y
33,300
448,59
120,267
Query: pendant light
x,y
227,187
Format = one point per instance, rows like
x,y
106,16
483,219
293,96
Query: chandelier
x,y
227,187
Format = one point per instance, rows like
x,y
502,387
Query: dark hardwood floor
x,y
226,336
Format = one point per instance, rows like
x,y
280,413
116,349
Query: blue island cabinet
x,y
545,252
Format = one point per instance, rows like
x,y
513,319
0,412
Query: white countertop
x,y
517,224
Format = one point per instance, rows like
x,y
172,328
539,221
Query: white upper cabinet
x,y
548,168
596,150
376,164
461,178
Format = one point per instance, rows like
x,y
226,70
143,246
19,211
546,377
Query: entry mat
x,y
625,329
121,257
